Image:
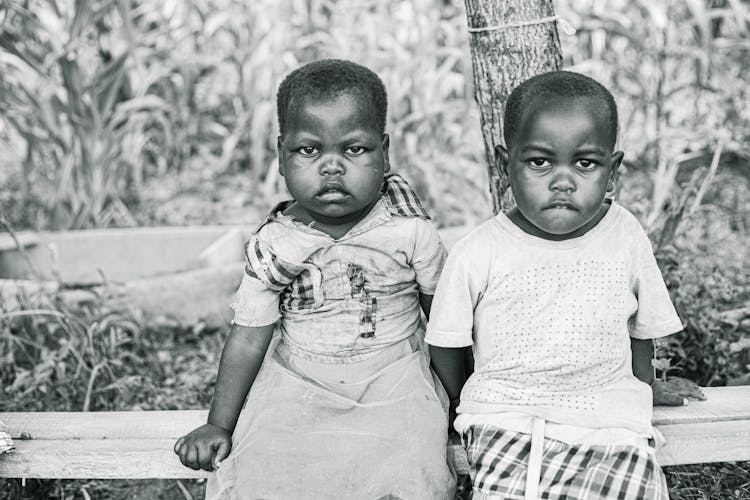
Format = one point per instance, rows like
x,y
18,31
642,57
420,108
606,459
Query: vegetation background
x,y
162,112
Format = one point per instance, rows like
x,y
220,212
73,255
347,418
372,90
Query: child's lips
x,y
561,204
332,191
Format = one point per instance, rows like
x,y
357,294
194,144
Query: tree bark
x,y
502,57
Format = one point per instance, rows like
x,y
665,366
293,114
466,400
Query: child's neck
x,y
335,227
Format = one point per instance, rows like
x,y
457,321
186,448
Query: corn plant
x,y
64,87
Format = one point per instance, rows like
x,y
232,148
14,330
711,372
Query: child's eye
x,y
307,150
539,163
355,150
586,164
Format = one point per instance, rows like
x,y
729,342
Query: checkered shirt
x,y
296,282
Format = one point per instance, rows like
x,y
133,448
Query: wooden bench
x,y
138,444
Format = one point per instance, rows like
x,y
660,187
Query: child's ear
x,y
278,151
501,159
614,166
385,143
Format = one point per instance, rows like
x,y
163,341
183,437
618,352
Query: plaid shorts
x,y
499,459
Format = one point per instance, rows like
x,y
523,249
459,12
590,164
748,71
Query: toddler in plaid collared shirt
x,y
559,299
335,282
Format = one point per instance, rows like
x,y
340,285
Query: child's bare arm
x,y
643,353
664,393
240,363
426,302
449,365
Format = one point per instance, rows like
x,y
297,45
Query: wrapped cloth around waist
x,y
366,429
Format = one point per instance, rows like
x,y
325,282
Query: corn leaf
x,y
107,84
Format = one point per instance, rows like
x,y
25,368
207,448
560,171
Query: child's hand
x,y
675,392
204,447
452,417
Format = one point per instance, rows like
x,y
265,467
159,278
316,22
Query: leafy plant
x,y
67,94
60,354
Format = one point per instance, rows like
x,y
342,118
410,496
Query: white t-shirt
x,y
550,321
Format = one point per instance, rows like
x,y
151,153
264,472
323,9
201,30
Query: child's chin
x,y
560,231
340,212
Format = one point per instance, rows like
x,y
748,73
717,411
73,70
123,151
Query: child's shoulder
x,y
400,199
280,236
482,237
625,219
272,216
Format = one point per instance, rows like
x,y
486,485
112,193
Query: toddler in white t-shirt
x,y
560,299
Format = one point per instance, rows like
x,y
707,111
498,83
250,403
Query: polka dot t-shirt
x,y
550,321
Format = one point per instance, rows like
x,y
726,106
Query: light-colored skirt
x,y
367,430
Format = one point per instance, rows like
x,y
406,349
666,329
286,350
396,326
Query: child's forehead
x,y
344,105
348,98
537,108
540,110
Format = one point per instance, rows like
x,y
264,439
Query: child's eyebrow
x,y
302,136
584,150
538,148
359,133
591,150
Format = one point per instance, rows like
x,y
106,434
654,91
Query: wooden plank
x,y
722,403
138,444
103,425
26,239
705,442
154,458
95,458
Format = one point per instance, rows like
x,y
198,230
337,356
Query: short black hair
x,y
327,78
556,84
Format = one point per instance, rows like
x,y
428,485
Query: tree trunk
x,y
504,55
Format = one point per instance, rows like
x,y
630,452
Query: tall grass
x,y
88,354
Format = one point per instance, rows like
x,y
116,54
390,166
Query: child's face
x,y
333,158
559,164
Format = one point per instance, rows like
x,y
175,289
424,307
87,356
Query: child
x,y
560,298
345,405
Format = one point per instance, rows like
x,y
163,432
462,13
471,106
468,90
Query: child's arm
x,y
643,353
241,359
426,302
664,393
448,363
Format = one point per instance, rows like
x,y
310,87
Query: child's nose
x,y
563,180
331,165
